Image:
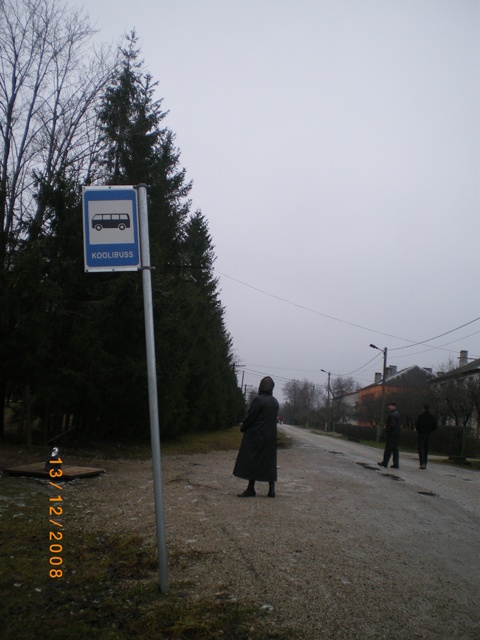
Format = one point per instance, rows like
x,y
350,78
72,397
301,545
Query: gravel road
x,y
347,550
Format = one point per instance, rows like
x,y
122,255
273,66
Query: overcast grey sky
x,y
334,147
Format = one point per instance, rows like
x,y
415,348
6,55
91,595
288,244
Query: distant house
x,y
397,383
468,373
345,407
465,369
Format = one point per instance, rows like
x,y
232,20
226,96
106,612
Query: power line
x,y
352,324
299,306
375,357
425,342
432,348
283,379
264,373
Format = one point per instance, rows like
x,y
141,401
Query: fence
x,y
444,441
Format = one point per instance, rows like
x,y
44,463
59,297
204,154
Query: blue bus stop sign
x,y
110,228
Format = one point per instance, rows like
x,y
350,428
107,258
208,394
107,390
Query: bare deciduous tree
x,y
49,83
342,410
302,400
456,398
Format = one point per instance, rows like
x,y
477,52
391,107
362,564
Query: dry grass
x,y
109,585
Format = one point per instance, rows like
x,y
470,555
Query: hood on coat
x,y
266,385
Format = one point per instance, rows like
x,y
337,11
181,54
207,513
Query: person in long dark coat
x,y
425,424
257,456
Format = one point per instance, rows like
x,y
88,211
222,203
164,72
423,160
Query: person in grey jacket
x,y
392,437
257,456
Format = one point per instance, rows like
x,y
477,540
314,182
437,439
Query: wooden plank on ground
x,y
37,470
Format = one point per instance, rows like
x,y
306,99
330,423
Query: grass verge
x,y
108,588
471,464
204,442
109,583
94,452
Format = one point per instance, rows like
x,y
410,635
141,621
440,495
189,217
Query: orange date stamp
x,y
54,511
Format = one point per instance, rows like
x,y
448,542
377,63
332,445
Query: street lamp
x,y
328,395
382,410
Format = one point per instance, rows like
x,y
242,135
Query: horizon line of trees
x,y
73,343
309,404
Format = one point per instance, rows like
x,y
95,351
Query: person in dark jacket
x,y
257,456
392,437
425,424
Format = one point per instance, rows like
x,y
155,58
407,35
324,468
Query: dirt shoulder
x,y
342,552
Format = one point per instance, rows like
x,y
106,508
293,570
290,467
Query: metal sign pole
x,y
152,386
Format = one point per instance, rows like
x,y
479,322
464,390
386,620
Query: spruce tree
x,y
76,348
215,400
197,387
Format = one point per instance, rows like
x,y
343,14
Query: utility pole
x,y
382,410
329,415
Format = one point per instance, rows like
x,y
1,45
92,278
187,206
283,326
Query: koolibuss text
x,y
104,255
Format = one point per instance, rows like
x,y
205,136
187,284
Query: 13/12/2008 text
x,y
55,537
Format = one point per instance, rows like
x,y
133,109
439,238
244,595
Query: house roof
x,y
410,377
413,376
465,370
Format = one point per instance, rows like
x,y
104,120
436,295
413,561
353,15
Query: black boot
x,y
249,491
271,490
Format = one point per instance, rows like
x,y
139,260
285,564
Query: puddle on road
x,y
367,465
454,475
336,453
393,477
